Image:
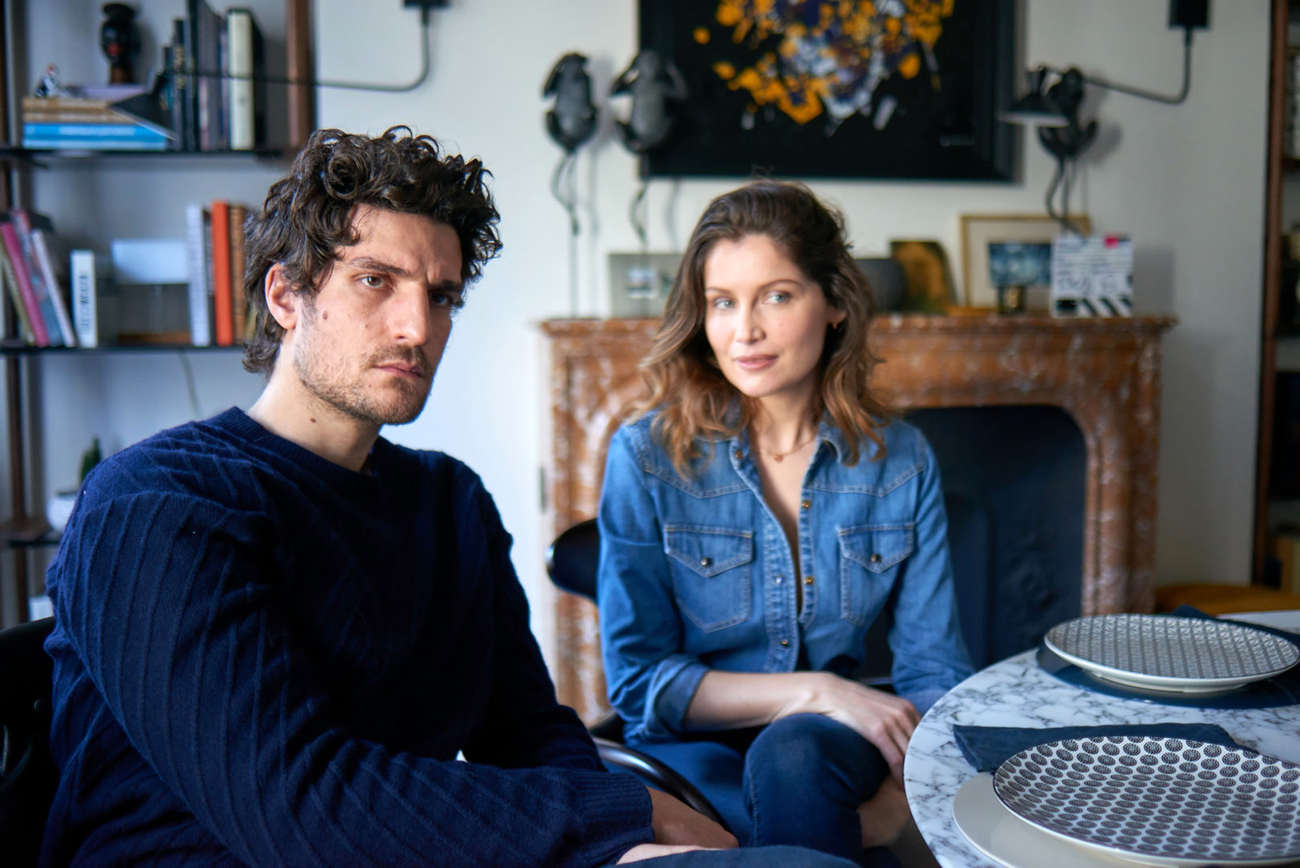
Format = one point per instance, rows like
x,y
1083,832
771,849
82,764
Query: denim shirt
x,y
696,573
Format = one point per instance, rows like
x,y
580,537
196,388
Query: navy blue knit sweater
x,y
263,657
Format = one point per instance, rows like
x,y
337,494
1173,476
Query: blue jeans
x,y
797,781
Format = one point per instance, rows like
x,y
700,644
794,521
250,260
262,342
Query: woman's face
x,y
765,319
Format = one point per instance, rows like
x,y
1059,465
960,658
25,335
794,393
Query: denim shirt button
x,y
704,562
808,580
875,557
777,580
785,643
805,504
739,455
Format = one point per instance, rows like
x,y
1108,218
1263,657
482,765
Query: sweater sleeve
x,y
524,724
164,600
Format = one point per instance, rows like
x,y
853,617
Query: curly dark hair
x,y
307,215
680,371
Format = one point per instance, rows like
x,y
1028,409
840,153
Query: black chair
x,y
571,563
27,774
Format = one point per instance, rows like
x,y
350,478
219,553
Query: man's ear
x,y
281,300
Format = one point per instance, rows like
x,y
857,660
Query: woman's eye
x,y
722,304
778,297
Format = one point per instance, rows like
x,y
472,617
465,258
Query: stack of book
x,y
85,122
215,239
32,274
216,98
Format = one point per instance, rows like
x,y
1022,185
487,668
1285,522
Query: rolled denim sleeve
x,y
930,656
651,681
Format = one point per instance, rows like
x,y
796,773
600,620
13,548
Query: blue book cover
x,y
90,131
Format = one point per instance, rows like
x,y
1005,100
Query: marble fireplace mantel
x,y
1105,373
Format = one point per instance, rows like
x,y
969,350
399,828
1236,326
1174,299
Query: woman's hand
x,y
885,720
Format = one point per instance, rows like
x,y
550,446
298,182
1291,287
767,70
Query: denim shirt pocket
x,y
870,559
711,573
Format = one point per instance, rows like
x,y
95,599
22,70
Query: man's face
x,y
370,339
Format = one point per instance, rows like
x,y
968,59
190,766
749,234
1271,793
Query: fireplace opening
x,y
1013,483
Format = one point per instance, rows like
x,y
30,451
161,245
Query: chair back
x,y
27,774
572,559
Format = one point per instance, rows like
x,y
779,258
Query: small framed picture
x,y
978,231
928,286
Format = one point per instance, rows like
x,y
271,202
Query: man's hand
x,y
674,823
885,720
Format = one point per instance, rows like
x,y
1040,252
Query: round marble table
x,y
1017,692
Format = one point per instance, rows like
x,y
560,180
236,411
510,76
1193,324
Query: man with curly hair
x,y
275,631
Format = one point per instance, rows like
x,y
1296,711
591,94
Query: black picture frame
x,y
948,134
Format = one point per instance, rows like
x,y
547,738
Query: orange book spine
x,y
223,308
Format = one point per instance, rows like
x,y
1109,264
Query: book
x,y
15,295
45,246
205,55
196,242
244,66
93,144
24,223
119,130
223,318
181,86
238,214
14,252
85,294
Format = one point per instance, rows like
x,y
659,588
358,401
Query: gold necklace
x,y
778,457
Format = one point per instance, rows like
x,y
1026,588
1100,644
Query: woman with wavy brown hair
x,y
758,516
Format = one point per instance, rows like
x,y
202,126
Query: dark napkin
x,y
1283,689
987,747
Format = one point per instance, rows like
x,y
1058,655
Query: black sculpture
x,y
119,41
572,119
654,83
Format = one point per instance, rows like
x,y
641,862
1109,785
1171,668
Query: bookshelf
x,y
1277,484
137,195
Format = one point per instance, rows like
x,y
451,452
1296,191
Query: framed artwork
x,y
927,277
978,231
836,90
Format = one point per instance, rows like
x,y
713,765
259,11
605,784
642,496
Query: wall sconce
x,y
1054,97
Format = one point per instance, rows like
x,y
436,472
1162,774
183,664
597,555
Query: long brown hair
x,y
681,373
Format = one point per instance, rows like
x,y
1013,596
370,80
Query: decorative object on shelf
x,y
926,275
1022,273
1092,276
49,86
885,277
979,230
1055,95
657,90
119,41
885,90
58,509
570,122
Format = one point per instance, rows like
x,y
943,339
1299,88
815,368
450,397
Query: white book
x,y
45,259
81,265
196,243
239,62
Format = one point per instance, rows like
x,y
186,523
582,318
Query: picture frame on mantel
x,y
979,230
761,100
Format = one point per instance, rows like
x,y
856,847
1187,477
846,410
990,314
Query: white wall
x,y
1186,181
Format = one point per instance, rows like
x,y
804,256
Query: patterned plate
x,y
1160,801
1160,652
